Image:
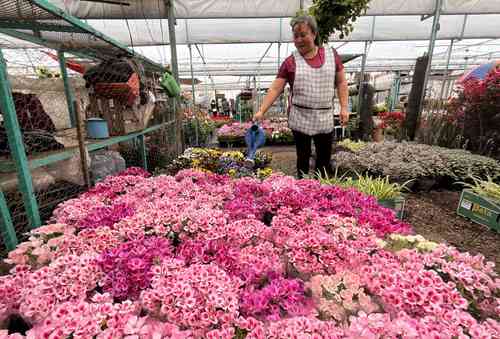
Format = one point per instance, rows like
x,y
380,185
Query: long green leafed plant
x,y
336,16
352,145
380,188
485,188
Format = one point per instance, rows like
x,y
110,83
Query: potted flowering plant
x,y
392,123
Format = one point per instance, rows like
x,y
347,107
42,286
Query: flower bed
x,y
277,132
205,256
216,161
405,161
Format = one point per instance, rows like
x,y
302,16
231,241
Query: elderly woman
x,y
313,73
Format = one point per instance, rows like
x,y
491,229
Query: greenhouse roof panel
x,y
195,9
41,22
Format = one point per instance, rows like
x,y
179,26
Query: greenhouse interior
x,y
249,169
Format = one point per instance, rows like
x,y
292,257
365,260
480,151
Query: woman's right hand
x,y
259,116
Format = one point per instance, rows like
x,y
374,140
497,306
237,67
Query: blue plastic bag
x,y
254,138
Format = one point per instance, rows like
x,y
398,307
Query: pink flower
x,y
200,255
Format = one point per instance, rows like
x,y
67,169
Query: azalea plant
x,y
392,122
202,255
476,109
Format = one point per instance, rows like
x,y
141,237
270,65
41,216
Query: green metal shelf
x,y
42,23
74,35
47,159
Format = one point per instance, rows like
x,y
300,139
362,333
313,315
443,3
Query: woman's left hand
x,y
344,117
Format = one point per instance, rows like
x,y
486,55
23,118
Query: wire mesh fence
x,y
117,104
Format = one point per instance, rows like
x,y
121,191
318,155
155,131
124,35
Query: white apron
x,y
312,97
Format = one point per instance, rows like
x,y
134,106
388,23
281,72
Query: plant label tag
x,y
466,204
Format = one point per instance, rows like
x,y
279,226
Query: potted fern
x,y
480,202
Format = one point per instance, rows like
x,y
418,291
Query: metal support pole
x,y
192,73
279,63
432,43
265,53
396,85
445,75
205,64
256,99
362,78
172,40
194,100
279,55
397,89
8,231
81,145
258,75
175,70
142,146
68,91
17,147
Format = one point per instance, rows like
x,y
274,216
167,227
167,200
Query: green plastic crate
x,y
479,209
396,204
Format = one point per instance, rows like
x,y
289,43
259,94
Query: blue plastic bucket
x,y
97,128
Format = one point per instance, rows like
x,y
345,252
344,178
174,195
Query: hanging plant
x,y
336,16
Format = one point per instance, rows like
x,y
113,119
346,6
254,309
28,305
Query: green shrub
x,y
405,161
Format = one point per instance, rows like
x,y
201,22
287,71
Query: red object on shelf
x,y
74,66
128,91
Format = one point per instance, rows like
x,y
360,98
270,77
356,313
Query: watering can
x,y
254,138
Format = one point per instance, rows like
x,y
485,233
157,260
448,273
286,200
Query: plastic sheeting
x,y
200,9
213,31
245,21
155,9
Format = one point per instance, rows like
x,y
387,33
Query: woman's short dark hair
x,y
309,21
305,19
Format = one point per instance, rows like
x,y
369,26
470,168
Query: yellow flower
x,y
427,246
263,173
380,243
397,237
234,155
